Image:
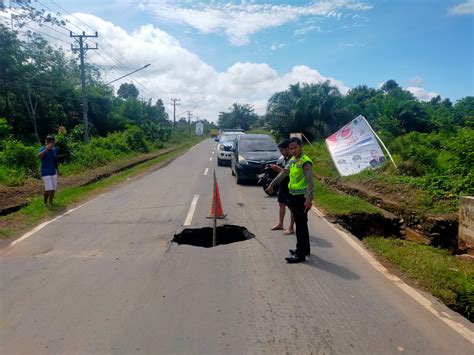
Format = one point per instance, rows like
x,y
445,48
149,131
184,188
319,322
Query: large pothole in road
x,y
202,237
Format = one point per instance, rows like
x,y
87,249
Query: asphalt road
x,y
106,279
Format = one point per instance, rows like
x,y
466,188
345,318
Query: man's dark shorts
x,y
284,197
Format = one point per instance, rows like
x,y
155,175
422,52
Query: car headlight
x,y
220,147
242,160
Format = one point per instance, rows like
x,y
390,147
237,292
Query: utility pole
x,y
175,103
82,49
190,115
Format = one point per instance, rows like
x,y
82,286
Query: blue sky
x,y
245,50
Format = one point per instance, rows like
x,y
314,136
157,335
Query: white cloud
x,y
415,87
305,30
239,21
177,72
421,93
416,81
276,46
465,8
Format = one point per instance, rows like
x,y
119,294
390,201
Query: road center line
x,y
206,171
192,208
210,159
410,291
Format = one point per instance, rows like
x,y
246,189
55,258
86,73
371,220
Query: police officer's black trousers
x,y
301,222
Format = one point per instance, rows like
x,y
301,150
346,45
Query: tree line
x,y
40,91
431,141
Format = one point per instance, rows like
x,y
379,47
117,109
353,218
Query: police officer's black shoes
x,y
293,259
293,252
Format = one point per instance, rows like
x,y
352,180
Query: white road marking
x,y
410,291
210,159
206,171
44,224
192,208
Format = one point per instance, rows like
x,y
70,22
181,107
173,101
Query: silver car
x,y
224,149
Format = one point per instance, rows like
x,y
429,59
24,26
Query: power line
x,y
47,34
62,8
53,29
123,68
118,67
112,56
20,87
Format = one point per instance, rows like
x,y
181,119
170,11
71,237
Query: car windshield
x,y
257,145
228,137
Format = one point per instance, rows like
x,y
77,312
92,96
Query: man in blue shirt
x,y
49,168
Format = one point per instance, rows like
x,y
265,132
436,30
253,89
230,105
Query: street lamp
x,y
123,76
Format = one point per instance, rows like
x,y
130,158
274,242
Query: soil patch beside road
x,y
13,198
438,228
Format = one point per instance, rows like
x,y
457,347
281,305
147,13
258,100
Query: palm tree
x,y
312,109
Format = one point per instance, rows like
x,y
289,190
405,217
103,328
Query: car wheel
x,y
219,162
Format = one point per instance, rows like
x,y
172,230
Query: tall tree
x,y
238,116
313,109
127,90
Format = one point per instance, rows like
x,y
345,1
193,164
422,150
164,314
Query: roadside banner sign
x,y
199,128
354,147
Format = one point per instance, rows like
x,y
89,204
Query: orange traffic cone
x,y
216,208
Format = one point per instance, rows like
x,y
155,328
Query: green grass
x,y
36,211
435,269
339,204
323,164
12,177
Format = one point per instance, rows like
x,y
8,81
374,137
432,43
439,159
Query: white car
x,y
224,148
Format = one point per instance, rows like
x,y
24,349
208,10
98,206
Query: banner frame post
x,y
381,142
214,219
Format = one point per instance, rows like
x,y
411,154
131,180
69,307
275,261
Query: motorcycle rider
x,y
283,191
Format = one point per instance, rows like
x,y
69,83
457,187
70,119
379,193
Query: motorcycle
x,y
266,178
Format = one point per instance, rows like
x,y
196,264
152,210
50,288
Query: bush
x,y
64,144
444,160
5,128
15,155
91,156
12,177
135,138
18,161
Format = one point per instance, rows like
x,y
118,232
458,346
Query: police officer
x,y
300,171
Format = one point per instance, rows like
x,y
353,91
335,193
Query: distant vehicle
x,y
214,132
251,154
226,143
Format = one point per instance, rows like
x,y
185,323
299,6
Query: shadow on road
x,y
341,271
319,242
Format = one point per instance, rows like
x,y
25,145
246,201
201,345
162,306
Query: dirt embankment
x,y
416,222
14,198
